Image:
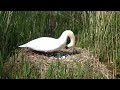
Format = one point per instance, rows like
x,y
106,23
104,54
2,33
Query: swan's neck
x,y
65,35
63,38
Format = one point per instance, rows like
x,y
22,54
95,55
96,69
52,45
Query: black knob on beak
x,y
66,47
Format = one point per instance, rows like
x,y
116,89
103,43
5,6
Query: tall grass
x,y
98,31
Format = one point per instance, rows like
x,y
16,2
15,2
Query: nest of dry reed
x,y
68,57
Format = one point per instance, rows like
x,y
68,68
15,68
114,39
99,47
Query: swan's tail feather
x,y
24,45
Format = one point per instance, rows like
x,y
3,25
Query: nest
x,y
72,58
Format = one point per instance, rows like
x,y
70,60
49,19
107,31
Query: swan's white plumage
x,y
24,45
48,44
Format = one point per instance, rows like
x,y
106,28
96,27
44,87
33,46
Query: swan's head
x,y
71,35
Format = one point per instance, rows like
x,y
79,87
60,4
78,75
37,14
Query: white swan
x,y
48,44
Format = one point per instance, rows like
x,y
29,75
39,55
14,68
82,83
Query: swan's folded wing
x,y
43,44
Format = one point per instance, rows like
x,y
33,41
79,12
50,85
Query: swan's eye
x,y
66,47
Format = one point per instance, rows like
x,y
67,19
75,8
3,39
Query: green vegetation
x,y
97,31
